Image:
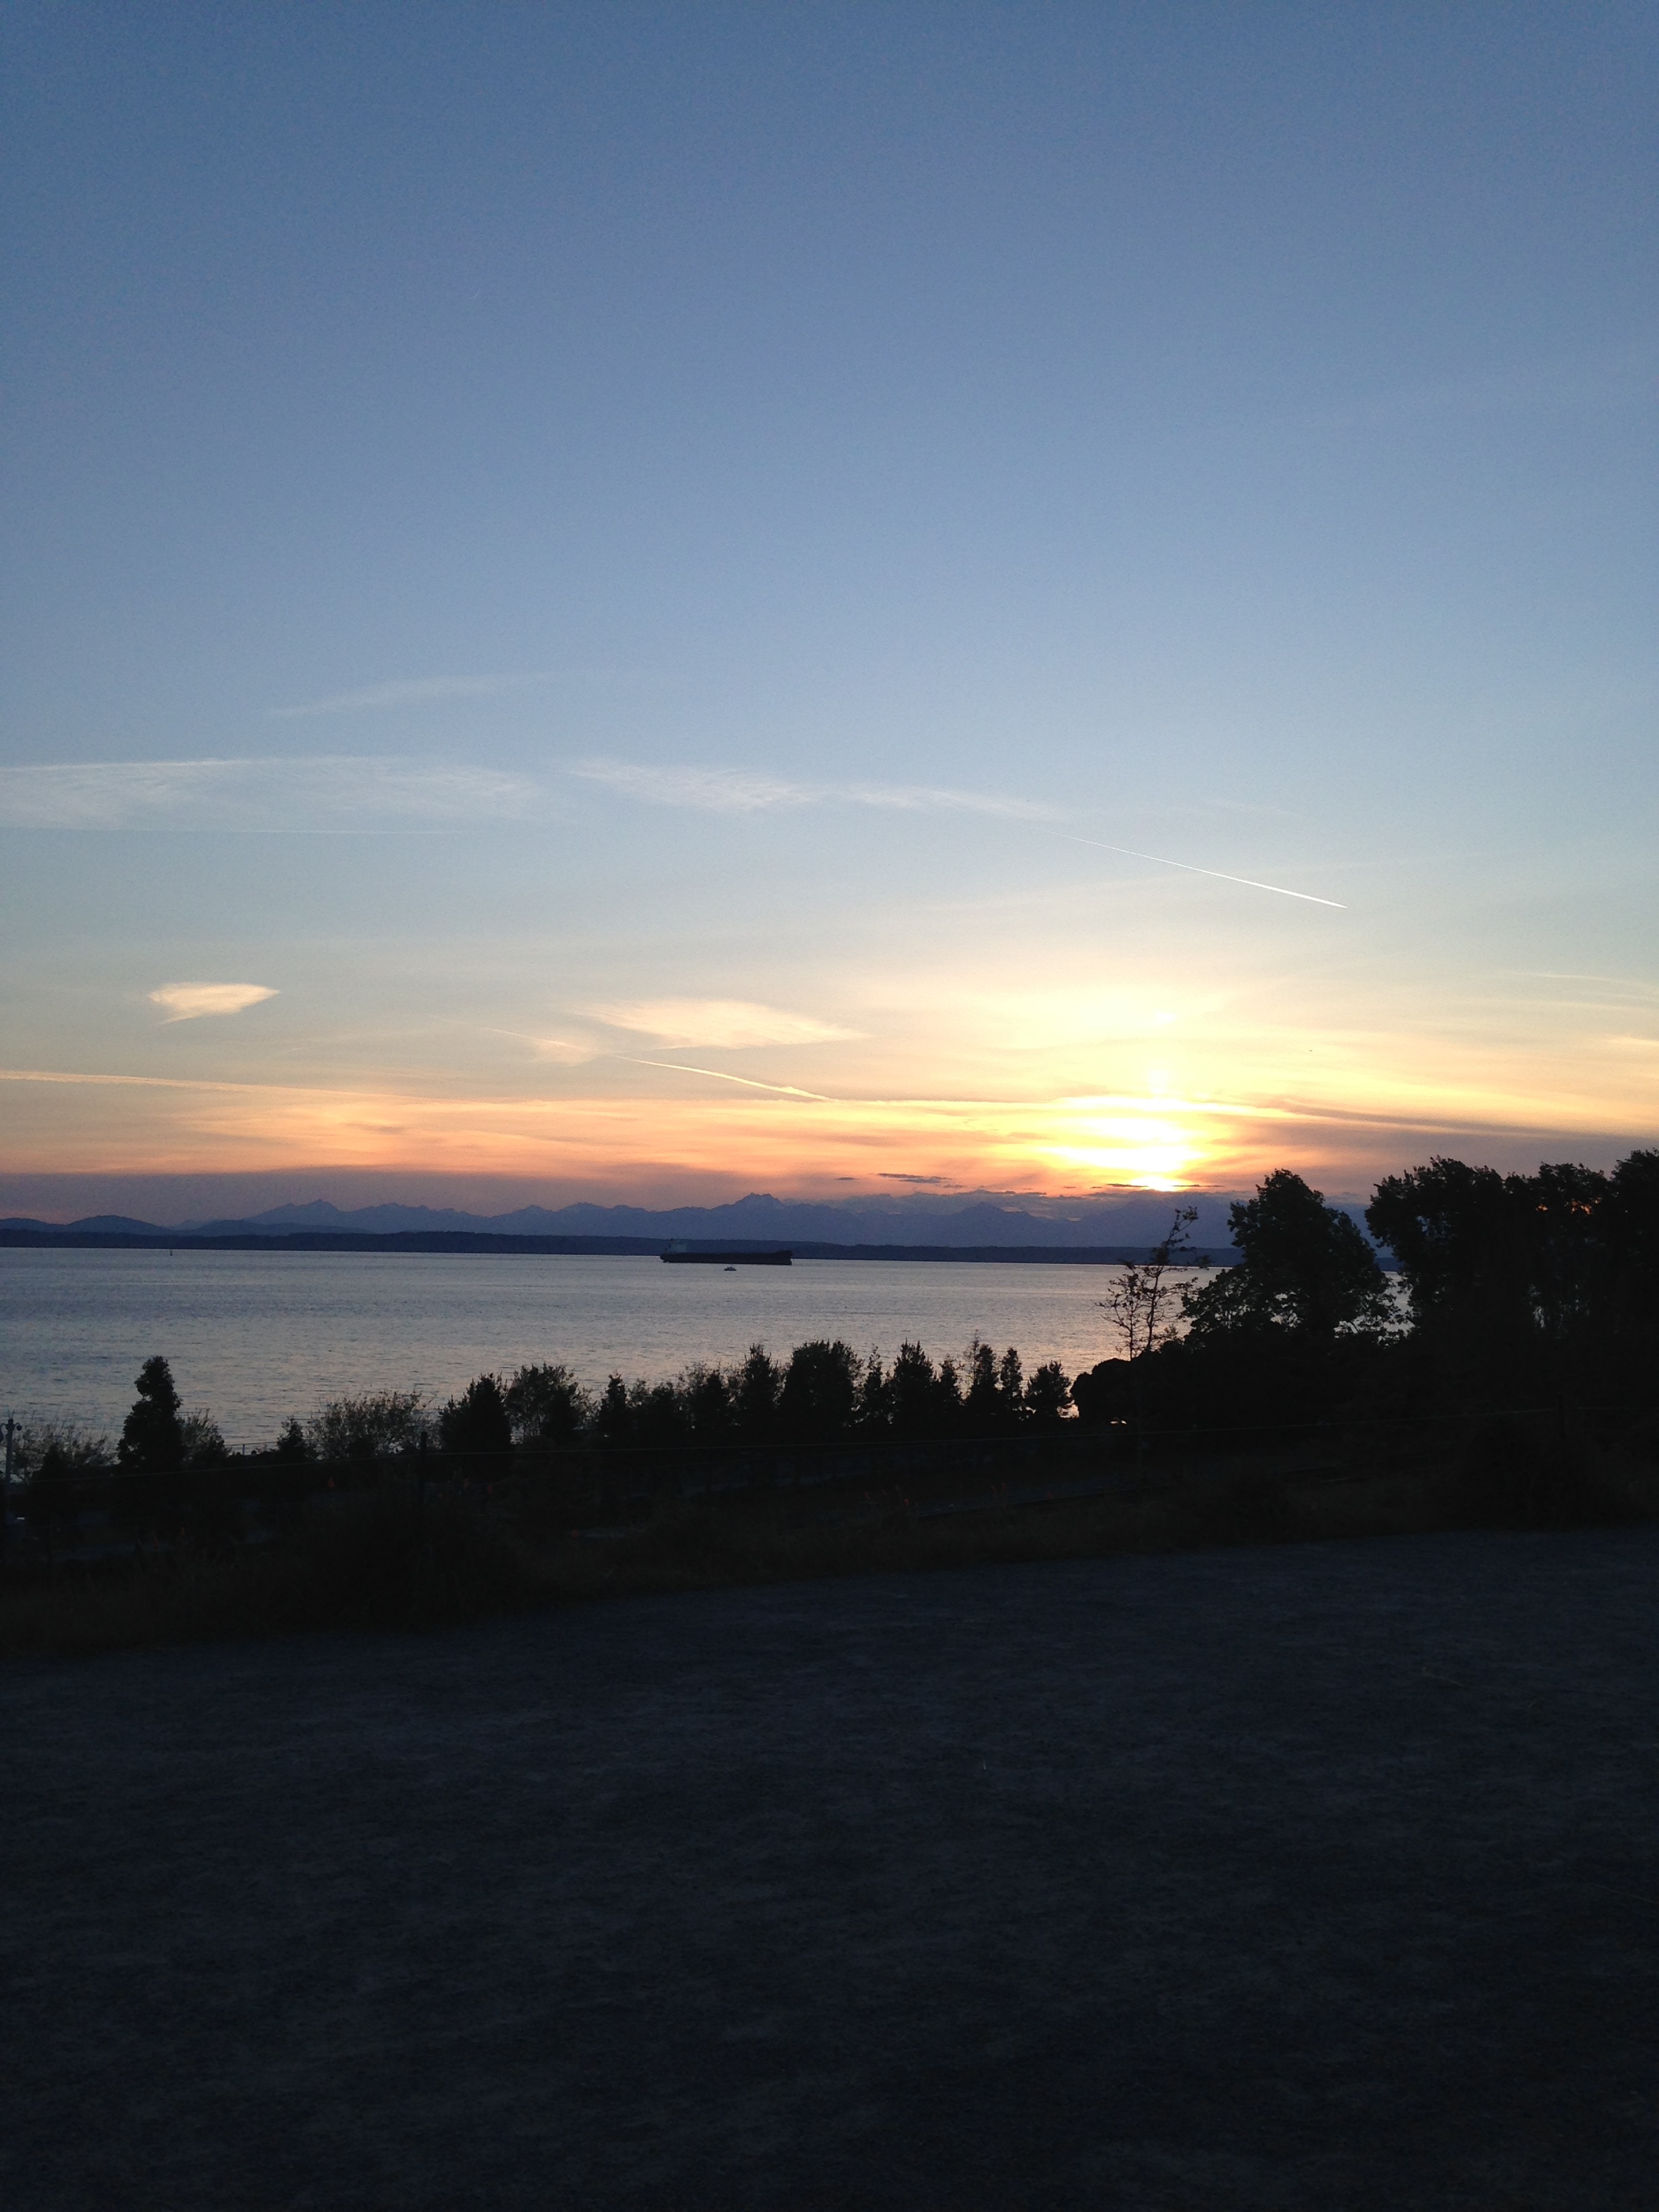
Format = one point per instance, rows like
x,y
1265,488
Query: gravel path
x,y
1315,1877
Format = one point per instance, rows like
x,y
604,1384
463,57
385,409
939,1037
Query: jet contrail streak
x,y
785,1089
1163,862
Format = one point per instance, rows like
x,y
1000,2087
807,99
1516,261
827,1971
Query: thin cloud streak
x,y
745,791
1163,861
728,1025
315,792
749,1082
417,691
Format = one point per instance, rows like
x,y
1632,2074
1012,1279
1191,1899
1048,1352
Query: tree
x,y
1632,1208
613,1419
1011,1390
292,1443
153,1436
995,1402
982,1406
204,1441
367,1427
759,1384
873,1416
708,1402
1143,1302
820,1392
49,1498
1303,1266
660,1415
913,1388
477,1421
1047,1395
545,1405
1456,1235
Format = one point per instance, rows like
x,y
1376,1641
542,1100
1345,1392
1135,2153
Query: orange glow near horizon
x,y
73,1123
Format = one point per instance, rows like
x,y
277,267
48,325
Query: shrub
x,y
546,1406
369,1427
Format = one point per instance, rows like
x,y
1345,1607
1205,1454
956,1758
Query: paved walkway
x,y
1320,1877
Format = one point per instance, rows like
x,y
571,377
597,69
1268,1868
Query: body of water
x,y
253,1337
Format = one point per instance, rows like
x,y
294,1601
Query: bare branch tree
x,y
1143,1302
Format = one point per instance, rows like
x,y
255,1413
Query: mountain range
x,y
935,1217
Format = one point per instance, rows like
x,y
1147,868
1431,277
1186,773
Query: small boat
x,y
679,1252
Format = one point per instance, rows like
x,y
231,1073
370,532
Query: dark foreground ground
x,y
1320,1877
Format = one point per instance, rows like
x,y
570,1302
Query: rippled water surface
x,y
256,1336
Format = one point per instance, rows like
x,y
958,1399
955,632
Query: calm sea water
x,y
254,1337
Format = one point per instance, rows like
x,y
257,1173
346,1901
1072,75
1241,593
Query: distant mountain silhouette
x,y
100,1224
930,1218
941,1218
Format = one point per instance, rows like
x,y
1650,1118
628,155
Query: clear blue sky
x,y
664,515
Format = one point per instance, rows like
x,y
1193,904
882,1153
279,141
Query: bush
x,y
546,1406
369,1427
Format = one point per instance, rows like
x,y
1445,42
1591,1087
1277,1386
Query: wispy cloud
x,y
320,791
412,692
749,1082
564,1052
748,791
188,1002
725,1023
1190,868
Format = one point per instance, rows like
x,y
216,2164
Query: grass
x,y
396,1558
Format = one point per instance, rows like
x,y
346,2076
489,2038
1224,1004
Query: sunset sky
x,y
647,602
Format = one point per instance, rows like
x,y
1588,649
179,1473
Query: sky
x,y
646,602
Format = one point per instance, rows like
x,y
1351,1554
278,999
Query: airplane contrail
x,y
787,1089
1165,862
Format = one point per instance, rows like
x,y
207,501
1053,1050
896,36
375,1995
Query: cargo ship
x,y
678,1250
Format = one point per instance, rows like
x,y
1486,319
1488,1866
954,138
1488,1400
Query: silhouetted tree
x,y
820,1392
204,1441
1010,1392
545,1405
1105,1393
1632,1208
659,1414
947,1399
477,1420
292,1443
1047,1395
759,1386
981,1408
994,1404
152,1436
368,1427
709,1403
873,1416
1303,1266
914,1390
1458,1237
613,1419
49,1499
1144,1300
